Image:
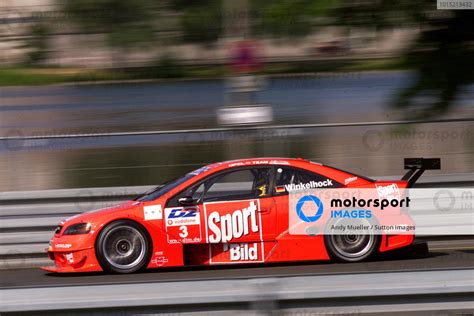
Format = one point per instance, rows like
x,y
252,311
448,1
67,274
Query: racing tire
x,y
352,247
123,247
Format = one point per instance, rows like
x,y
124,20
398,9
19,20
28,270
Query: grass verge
x,y
21,76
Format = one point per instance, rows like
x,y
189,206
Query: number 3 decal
x,y
184,232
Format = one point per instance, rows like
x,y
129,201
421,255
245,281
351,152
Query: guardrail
x,y
345,294
27,218
22,137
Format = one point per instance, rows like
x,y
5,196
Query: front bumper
x,y
72,253
73,261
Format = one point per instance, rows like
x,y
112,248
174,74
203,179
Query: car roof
x,y
328,171
262,161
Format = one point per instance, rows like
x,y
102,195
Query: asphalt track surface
x,y
443,255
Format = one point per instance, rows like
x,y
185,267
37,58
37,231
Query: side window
x,y
233,185
238,185
292,179
195,191
198,191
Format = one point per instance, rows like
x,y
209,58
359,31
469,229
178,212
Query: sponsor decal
x,y
388,192
69,257
259,162
236,164
199,171
234,231
242,252
152,212
183,224
160,261
63,246
279,162
307,186
224,226
237,253
349,180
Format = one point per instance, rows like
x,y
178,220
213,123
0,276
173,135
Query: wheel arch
x,y
144,229
128,219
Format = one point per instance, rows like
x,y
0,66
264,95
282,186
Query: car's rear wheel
x,y
123,247
352,247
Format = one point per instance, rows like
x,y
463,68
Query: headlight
x,y
77,229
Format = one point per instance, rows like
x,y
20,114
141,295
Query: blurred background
x,y
218,79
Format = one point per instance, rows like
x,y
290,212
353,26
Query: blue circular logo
x,y
313,199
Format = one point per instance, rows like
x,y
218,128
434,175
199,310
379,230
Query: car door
x,y
238,206
234,206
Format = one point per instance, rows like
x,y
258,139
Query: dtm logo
x,y
180,213
313,203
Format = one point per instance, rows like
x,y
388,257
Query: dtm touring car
x,y
224,213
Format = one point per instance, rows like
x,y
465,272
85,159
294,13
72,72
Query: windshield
x,y
168,186
162,189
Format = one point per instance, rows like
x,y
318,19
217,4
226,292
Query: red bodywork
x,y
267,238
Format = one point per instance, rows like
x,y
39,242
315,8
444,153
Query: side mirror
x,y
186,201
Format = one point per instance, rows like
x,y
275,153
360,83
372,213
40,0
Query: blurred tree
x,y
288,19
127,24
201,20
37,44
442,55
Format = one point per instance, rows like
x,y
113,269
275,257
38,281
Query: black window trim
x,y
219,173
273,192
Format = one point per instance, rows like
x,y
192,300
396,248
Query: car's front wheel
x,y
123,247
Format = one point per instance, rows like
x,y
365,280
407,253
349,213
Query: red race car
x,y
224,213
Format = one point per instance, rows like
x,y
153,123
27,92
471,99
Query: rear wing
x,y
416,167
